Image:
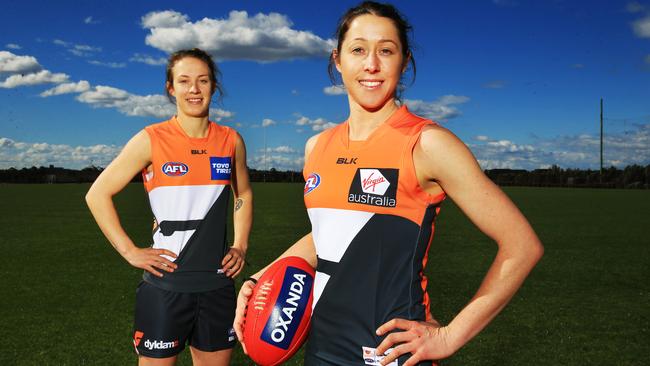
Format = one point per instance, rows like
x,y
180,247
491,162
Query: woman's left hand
x,y
423,340
233,262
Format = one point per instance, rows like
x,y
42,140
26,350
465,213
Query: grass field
x,y
66,297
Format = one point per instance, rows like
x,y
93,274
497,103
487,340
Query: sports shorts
x,y
165,321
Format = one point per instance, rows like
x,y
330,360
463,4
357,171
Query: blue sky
x,y
519,81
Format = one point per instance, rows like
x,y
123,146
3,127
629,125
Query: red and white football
x,y
279,312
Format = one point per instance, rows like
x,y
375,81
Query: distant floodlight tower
x,y
265,167
601,140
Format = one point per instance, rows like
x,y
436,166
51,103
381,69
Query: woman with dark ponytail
x,y
374,185
189,166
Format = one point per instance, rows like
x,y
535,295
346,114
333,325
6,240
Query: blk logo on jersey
x,y
346,161
220,167
375,187
174,169
311,183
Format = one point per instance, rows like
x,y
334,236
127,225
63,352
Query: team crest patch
x,y
175,169
375,187
220,167
311,182
137,337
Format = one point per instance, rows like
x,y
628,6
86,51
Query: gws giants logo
x,y
375,187
174,169
312,182
137,337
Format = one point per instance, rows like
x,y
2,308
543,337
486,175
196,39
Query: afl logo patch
x,y
312,182
174,169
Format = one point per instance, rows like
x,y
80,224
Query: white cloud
x,y
318,124
634,7
441,110
581,151
164,19
283,149
6,142
26,154
13,46
67,88
104,96
112,65
41,77
149,60
335,90
157,105
279,162
495,84
217,115
14,64
268,122
129,104
263,37
83,47
147,106
282,157
642,27
80,50
481,138
90,20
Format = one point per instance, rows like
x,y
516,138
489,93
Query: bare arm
x,y
233,261
443,159
135,156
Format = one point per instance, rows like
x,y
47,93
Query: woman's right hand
x,y
240,313
149,259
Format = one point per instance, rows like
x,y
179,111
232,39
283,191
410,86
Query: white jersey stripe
x,y
180,203
333,230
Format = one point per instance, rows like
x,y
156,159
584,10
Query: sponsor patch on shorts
x,y
159,344
370,356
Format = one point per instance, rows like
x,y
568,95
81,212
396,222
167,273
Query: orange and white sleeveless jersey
x,y
372,225
189,188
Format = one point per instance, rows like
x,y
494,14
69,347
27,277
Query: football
x,y
279,312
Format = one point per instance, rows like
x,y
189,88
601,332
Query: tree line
x,y
632,176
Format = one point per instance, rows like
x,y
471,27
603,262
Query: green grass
x,y
66,297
